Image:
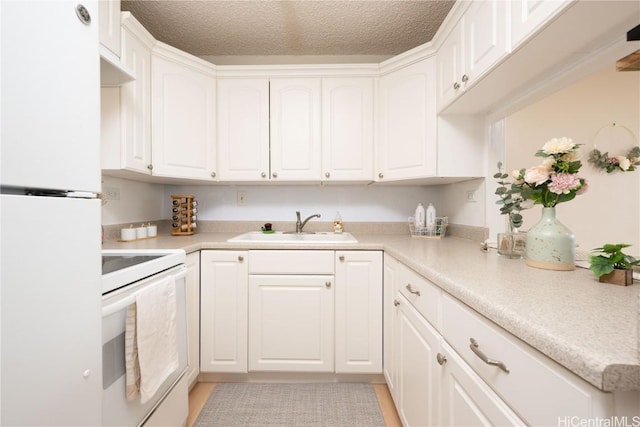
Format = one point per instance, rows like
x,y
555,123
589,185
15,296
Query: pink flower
x,y
537,175
563,183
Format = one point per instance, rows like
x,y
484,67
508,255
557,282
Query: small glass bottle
x,y
337,223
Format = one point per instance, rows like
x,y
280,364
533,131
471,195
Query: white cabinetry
x,y
477,42
527,16
223,311
193,315
126,111
110,32
407,140
466,399
183,115
358,311
390,337
243,129
347,129
296,152
291,311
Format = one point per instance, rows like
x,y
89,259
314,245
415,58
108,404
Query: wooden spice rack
x,y
183,215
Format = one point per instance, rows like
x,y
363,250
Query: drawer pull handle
x,y
240,258
341,257
441,358
396,302
327,284
413,291
474,346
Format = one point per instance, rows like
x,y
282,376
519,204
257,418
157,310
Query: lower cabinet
x,y
193,315
223,311
291,311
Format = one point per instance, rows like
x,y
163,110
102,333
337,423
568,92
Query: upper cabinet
x,y
527,16
295,129
476,43
183,115
126,111
243,129
347,129
407,139
110,25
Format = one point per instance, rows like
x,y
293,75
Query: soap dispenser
x,y
337,223
431,216
419,218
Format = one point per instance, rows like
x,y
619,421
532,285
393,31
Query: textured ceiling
x,y
304,27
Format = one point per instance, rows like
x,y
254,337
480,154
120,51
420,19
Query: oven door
x,y
116,410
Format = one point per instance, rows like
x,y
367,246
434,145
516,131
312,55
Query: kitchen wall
x,y
137,202
609,212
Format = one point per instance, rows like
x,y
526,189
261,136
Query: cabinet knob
x,y
83,14
213,174
327,284
396,302
275,174
456,86
263,174
465,78
240,258
327,174
341,258
413,291
441,358
380,175
150,166
86,373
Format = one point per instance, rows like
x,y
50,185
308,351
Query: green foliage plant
x,y
609,257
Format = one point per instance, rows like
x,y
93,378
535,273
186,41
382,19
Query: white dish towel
x,y
154,339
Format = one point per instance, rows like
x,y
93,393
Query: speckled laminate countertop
x,y
589,327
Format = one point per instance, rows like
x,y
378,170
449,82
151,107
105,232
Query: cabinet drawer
x,y
423,295
291,262
537,388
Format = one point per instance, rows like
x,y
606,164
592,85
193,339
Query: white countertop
x,y
589,327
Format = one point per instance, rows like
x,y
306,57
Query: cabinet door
x,y
347,129
467,400
527,16
408,133
295,129
135,98
485,37
243,129
449,61
418,375
358,312
291,323
110,25
193,315
223,311
390,335
183,115
50,124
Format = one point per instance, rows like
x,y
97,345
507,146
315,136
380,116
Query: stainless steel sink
x,y
280,237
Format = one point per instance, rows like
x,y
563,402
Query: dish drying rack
x,y
436,231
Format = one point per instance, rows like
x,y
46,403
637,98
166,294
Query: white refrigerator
x,y
50,245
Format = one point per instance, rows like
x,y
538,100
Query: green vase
x,y
550,245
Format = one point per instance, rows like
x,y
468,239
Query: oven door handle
x,y
130,299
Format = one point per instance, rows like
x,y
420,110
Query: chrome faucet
x,y
300,224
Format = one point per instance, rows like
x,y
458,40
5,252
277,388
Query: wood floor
x,y
201,391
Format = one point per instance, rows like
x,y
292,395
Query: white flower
x,y
623,162
571,156
558,146
537,175
548,162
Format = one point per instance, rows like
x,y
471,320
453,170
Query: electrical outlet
x,y
472,196
242,198
111,193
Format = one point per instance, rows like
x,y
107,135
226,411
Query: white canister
x,y
127,234
141,232
420,216
431,216
152,230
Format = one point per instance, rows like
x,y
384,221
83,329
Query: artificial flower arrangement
x,y
554,181
611,164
